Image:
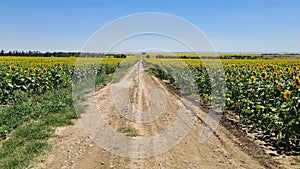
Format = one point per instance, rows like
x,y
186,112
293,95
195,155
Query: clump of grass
x,y
118,75
130,131
28,124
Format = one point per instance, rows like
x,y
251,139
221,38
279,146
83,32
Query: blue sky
x,y
231,25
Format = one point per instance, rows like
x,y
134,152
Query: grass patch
x,y
27,142
129,131
29,124
119,74
103,79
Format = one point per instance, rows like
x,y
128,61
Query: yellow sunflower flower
x,y
227,76
279,86
281,75
297,82
271,80
254,73
291,73
287,95
264,75
252,79
287,69
12,69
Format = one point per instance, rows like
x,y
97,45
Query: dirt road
x,y
73,148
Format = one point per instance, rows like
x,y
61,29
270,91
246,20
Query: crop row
x,y
36,75
265,95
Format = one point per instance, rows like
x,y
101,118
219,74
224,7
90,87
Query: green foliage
x,y
17,79
252,93
30,123
130,131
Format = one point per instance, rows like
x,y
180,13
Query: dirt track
x,y
74,149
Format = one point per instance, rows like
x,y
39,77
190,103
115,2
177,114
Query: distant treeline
x,y
208,57
231,56
59,54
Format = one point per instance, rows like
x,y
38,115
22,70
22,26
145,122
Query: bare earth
x,y
226,148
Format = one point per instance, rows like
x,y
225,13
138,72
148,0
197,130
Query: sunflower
x,y
254,73
297,82
271,80
287,95
243,78
287,69
264,75
275,74
291,73
12,69
252,79
279,86
227,76
281,75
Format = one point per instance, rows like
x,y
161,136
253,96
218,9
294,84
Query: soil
x,y
227,147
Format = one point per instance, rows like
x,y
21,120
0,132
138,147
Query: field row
x,y
264,94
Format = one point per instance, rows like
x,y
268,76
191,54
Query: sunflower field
x,y
35,75
263,94
24,78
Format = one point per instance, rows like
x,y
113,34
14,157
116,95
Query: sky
x,y
230,25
